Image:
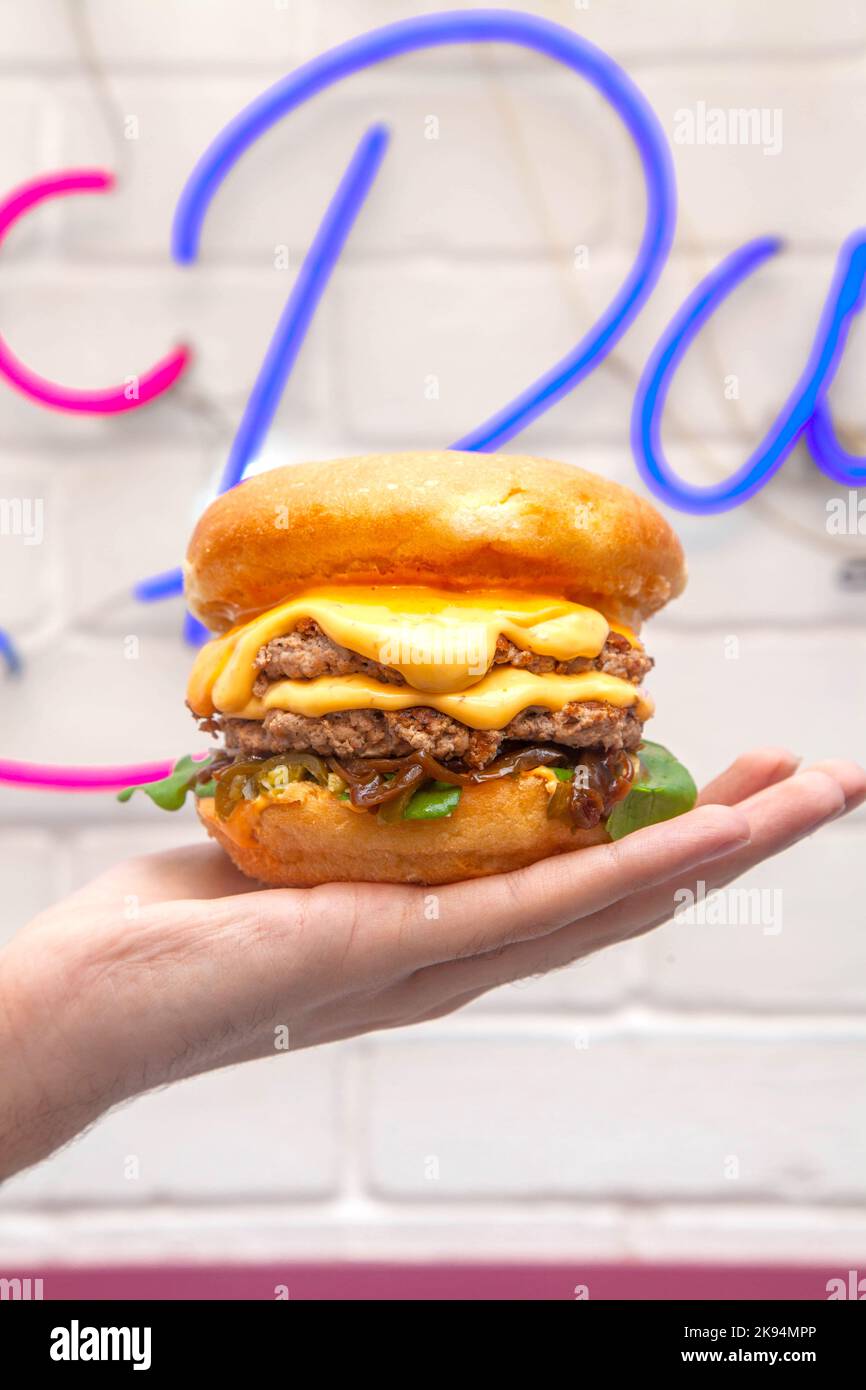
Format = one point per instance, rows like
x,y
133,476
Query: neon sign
x,y
806,412
135,392
428,31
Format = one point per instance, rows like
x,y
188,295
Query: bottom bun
x,y
310,837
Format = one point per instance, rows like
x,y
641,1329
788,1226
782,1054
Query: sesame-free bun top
x,y
460,521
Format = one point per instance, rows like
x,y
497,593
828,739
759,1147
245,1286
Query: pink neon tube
x,y
80,779
113,399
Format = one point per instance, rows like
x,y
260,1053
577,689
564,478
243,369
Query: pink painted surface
x,y
435,1282
113,399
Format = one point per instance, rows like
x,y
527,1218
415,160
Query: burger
x,y
425,667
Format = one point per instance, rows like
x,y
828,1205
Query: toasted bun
x,y
313,838
449,520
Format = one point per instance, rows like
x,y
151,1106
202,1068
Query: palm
x,y
174,963
347,958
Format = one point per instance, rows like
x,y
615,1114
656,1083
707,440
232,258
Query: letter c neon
x,y
114,399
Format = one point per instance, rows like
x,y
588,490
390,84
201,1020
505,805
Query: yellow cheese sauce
x,y
442,643
489,704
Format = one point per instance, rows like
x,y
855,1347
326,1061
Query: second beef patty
x,y
307,653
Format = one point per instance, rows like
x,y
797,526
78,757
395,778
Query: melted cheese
x,y
490,704
440,642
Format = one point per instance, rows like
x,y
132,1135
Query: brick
x,y
278,33
481,170
765,561
185,35
101,847
736,377
769,560
143,507
673,28
228,318
455,178
429,354
30,877
98,326
600,982
698,688
128,709
481,334
37,34
804,193
228,1232
684,1105
266,1129
24,153
400,337
30,544
804,950
173,122
731,1233
88,331
572,1233
191,34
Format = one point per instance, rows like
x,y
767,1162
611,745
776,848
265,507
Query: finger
x,y
489,913
778,817
750,773
850,776
192,872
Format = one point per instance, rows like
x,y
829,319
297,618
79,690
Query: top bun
x,y
449,520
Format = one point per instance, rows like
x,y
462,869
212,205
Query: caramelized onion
x,y
363,773
241,781
600,779
588,799
368,785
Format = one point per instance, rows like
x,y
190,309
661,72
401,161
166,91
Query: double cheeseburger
x,y
427,667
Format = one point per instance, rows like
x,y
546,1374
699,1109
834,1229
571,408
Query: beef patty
x,y
307,653
378,734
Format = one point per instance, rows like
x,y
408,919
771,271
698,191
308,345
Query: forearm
x,y
43,1102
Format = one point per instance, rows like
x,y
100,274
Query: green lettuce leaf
x,y
663,789
170,792
439,799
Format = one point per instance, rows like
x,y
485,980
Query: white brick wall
x,y
596,1113
599,1112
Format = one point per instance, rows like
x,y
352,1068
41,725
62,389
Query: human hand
x,y
174,964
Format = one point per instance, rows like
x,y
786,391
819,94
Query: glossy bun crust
x,y
448,520
314,838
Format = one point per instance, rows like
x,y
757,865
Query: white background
x,y
593,1114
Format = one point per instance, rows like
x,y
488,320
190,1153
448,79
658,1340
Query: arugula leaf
x,y
439,799
170,792
663,789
